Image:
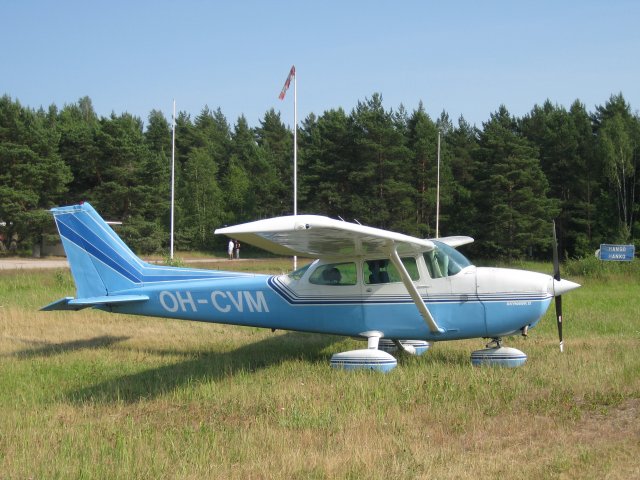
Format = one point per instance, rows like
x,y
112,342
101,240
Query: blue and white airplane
x,y
394,290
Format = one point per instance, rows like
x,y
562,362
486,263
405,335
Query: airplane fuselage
x,y
368,283
477,302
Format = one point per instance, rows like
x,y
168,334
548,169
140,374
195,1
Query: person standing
x,y
237,249
230,248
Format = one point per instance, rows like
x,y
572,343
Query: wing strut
x,y
413,292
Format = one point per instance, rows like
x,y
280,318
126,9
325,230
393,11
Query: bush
x,y
143,236
175,262
593,267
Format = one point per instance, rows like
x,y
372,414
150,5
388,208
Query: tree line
x,y
502,183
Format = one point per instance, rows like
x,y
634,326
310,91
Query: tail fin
x,y
101,263
105,270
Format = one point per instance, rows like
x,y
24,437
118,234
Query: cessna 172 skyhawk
x,y
394,290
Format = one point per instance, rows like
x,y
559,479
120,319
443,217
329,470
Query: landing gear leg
x,y
404,348
412,347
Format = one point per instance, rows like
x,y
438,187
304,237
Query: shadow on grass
x,y
203,366
48,349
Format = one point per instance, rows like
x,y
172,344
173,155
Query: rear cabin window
x,y
384,271
339,274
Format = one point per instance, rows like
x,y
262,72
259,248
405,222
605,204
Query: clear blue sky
x,y
465,57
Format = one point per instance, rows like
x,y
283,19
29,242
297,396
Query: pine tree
x,y
275,154
236,179
423,139
327,149
33,178
380,156
207,145
461,144
514,213
78,127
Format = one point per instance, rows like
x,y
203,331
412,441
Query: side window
x,y
383,271
335,274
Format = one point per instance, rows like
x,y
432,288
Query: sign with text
x,y
617,253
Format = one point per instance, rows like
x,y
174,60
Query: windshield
x,y
445,261
299,273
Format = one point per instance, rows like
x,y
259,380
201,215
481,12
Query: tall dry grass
x,y
92,395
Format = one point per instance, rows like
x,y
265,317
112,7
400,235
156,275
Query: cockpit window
x,y
335,274
444,261
384,271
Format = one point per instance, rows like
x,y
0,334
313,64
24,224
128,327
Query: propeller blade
x,y
556,261
558,301
556,276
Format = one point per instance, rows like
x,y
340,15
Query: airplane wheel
x,y
365,359
499,357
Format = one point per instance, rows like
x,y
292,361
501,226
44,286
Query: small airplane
x,y
396,291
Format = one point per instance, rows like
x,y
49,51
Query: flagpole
x,y
295,154
287,83
438,193
173,161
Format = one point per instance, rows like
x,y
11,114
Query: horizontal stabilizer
x,y
70,303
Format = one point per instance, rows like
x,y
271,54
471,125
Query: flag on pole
x,y
292,74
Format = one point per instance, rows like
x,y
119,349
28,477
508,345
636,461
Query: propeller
x,y
556,277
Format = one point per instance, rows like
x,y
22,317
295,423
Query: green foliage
x,y
202,201
565,141
173,262
326,150
378,166
33,177
592,267
619,136
512,191
275,164
502,183
142,235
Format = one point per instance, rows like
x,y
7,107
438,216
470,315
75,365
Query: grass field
x,y
92,395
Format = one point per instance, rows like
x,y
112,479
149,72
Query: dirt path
x,y
16,263
32,263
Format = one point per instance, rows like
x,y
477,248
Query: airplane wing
x,y
455,241
322,237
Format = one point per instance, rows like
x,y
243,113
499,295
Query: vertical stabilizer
x,y
103,266
100,262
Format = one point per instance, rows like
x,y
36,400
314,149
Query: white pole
x,y
295,144
295,153
438,193
173,161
